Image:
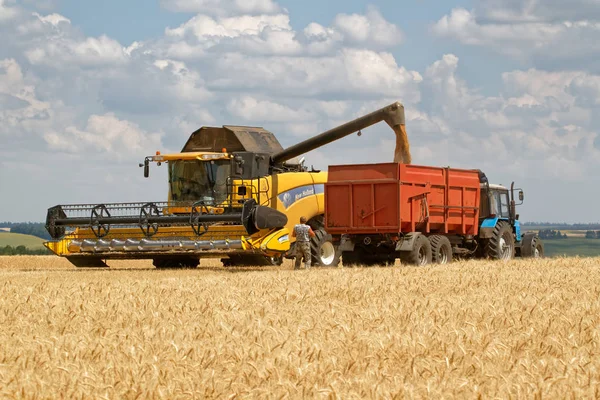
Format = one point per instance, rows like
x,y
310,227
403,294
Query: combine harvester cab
x,y
421,214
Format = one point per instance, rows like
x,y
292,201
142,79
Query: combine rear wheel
x,y
441,249
420,255
501,246
175,262
323,251
532,246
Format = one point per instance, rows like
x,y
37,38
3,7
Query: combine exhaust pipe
x,y
393,115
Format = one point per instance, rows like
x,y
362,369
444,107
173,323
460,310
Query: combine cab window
x,y
193,180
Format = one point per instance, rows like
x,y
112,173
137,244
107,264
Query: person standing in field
x,y
302,233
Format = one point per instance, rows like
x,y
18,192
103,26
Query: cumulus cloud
x,y
223,7
19,104
6,11
370,28
347,72
527,31
105,133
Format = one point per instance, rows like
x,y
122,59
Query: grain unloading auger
x,y
234,193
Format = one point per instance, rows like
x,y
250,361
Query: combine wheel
x,y
324,252
175,262
420,255
441,249
501,246
532,246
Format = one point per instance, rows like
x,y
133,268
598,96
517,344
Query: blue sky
x,y
87,89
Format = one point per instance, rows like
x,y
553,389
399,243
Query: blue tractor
x,y
500,235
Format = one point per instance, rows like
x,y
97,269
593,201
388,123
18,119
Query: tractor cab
x,y
494,202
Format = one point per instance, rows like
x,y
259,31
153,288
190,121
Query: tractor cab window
x,y
500,203
194,180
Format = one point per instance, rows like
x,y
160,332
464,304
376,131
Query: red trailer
x,y
380,212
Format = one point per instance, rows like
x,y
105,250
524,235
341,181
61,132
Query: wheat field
x,y
523,329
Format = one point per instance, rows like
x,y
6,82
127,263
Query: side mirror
x,y
241,190
146,166
521,196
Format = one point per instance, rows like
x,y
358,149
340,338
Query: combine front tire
x,y
532,246
420,255
323,251
441,249
501,246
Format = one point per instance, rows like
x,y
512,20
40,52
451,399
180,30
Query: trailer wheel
x,y
501,246
441,249
175,262
322,249
532,246
420,254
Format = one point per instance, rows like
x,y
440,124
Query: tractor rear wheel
x,y
501,246
441,249
532,246
420,255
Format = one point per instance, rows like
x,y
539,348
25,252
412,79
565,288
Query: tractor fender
x,y
486,230
407,242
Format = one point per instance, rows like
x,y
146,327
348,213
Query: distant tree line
x,y
27,228
551,234
563,225
22,251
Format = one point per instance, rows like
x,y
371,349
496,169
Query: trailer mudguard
x,y
407,243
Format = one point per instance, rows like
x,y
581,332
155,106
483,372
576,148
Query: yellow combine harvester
x,y
234,194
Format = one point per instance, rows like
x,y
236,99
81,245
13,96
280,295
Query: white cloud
x,y
6,12
89,52
370,28
346,72
223,7
531,33
251,109
19,105
105,133
53,19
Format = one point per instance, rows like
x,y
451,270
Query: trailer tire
x,y
501,246
420,255
532,246
441,249
324,252
176,263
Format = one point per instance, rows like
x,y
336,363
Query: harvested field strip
x,y
518,329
